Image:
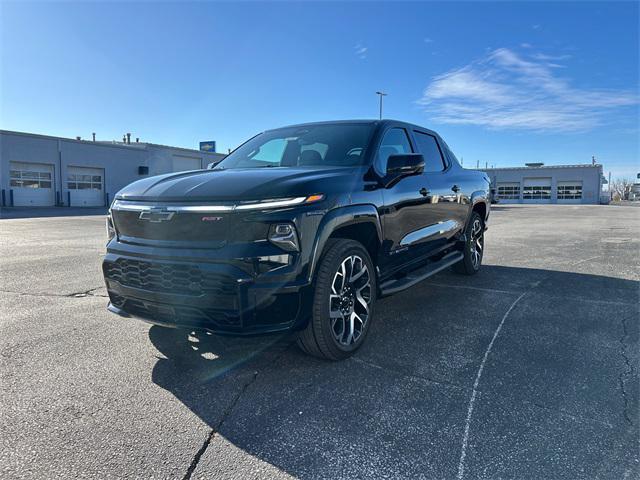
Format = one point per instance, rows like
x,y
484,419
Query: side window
x,y
428,147
394,141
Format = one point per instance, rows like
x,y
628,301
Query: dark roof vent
x,y
535,164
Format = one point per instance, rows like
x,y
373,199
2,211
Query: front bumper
x,y
209,295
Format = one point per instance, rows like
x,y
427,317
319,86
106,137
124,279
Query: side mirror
x,y
404,164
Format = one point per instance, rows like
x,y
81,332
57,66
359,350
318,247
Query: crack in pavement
x,y
227,412
216,429
628,371
81,294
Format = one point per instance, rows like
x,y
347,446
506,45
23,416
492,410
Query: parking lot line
x,y
465,438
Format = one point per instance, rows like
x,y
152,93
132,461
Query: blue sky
x,y
504,83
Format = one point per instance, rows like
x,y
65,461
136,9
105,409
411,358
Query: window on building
x,y
84,182
508,191
536,192
569,190
30,179
428,146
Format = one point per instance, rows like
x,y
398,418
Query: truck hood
x,y
242,184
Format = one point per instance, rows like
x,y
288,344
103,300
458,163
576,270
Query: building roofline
x,y
106,143
579,165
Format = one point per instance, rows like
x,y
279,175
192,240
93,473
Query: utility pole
x,y
477,164
381,94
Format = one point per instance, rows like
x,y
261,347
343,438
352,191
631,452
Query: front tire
x,y
473,249
345,292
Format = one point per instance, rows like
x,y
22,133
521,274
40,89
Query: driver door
x,y
405,205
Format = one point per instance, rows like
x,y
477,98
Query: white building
x,y
537,183
39,170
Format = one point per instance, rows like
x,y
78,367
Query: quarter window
x,y
395,141
428,146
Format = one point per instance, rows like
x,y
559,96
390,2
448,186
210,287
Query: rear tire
x,y
473,249
343,300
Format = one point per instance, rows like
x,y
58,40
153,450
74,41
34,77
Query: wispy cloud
x,y
428,40
360,51
505,89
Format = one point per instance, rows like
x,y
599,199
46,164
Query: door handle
x,y
424,192
455,188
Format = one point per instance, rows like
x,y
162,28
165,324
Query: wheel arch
x,y
355,222
480,203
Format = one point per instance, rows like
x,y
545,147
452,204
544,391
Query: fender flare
x,y
479,196
338,218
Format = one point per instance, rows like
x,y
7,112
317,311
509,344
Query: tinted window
x,y
394,141
428,147
309,146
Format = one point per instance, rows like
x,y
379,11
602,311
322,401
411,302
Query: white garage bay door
x,y
180,163
32,184
86,186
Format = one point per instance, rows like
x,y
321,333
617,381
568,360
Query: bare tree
x,y
620,188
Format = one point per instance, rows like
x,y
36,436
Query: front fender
x,y
338,218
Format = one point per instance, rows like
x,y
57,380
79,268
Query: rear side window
x,y
428,147
394,141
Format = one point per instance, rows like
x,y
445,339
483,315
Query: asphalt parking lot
x,y
527,370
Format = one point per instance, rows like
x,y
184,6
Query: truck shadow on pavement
x,y
559,380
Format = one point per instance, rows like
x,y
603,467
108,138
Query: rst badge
x,y
211,219
156,215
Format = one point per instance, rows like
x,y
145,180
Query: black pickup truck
x,y
300,228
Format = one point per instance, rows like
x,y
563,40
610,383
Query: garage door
x,y
536,190
32,184
86,186
180,163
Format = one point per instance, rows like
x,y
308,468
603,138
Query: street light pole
x,y
381,94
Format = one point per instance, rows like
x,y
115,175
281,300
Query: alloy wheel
x,y
349,300
477,243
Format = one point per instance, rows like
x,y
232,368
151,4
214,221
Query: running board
x,y
394,286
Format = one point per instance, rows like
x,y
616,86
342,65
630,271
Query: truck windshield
x,y
340,145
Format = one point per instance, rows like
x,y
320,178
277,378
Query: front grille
x,y
169,278
191,227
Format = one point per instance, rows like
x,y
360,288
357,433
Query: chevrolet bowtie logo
x,y
156,215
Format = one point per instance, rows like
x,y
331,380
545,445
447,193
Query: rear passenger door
x,y
445,210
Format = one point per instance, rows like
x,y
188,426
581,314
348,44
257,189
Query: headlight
x,y
280,202
111,231
249,205
284,235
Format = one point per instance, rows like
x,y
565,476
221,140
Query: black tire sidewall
x,y
336,254
467,250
